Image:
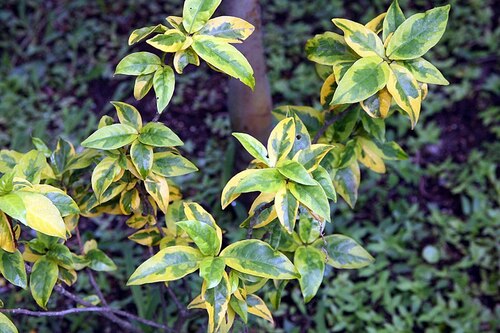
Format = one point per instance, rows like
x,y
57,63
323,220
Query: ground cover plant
x,y
362,148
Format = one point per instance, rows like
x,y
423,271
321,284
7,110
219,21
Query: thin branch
x,y
61,313
255,216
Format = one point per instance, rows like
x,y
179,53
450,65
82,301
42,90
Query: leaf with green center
x,y
311,157
378,105
142,158
424,71
31,167
253,147
366,77
12,268
169,264
281,140
405,91
139,34
99,261
61,255
374,126
138,63
211,270
313,119
229,28
286,208
128,115
376,24
42,280
7,326
159,135
64,203
328,49
295,171
391,151
170,164
323,178
217,303
309,228
143,84
313,197
164,85
310,264
170,41
196,13
257,307
252,180
12,205
42,215
344,252
157,187
257,258
418,34
194,211
393,19
224,57
362,40
7,183
185,57
104,175
111,137
203,235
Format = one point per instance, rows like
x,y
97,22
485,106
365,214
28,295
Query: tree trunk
x,y
250,111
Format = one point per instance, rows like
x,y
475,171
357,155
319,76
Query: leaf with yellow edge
x,y
312,156
362,40
196,13
327,91
164,85
281,140
344,252
175,22
370,155
42,215
142,158
13,269
157,187
310,263
139,34
7,241
376,24
266,216
128,114
42,280
197,303
257,307
378,105
329,48
217,302
405,90
253,146
170,41
104,175
424,71
230,29
169,264
130,202
142,85
393,20
313,197
286,208
185,57
147,237
252,180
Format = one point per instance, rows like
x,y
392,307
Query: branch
x,y
54,313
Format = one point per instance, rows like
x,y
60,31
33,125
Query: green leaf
x,y
328,49
169,264
212,270
128,115
6,326
12,205
374,126
366,77
323,178
139,34
295,171
257,258
362,40
311,266
196,13
42,280
313,197
170,164
41,146
286,208
203,235
99,261
418,34
170,41
142,158
231,29
253,147
224,57
281,140
6,183
263,180
344,252
164,85
159,135
12,268
217,302
111,137
194,211
240,307
393,19
143,84
405,91
424,71
138,63
104,175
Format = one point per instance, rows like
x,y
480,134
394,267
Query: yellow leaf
x,y
7,242
376,25
257,307
157,188
370,155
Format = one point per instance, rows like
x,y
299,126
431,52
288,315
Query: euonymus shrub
x,y
128,168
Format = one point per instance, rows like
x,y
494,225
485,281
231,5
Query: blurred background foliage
x,y
432,222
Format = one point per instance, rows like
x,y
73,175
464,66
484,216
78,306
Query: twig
x,y
255,216
54,313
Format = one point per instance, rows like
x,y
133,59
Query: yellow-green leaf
x,y
393,19
212,270
12,268
170,164
7,241
111,137
295,172
313,197
128,114
286,208
217,302
196,13
378,105
169,264
138,63
142,157
170,41
328,49
203,235
370,155
224,57
157,187
323,178
362,40
405,90
99,261
376,24
231,29
139,34
142,85
257,307
185,57
312,156
310,264
253,147
42,280
366,77
343,252
159,135
281,140
164,85
104,175
6,325
424,71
